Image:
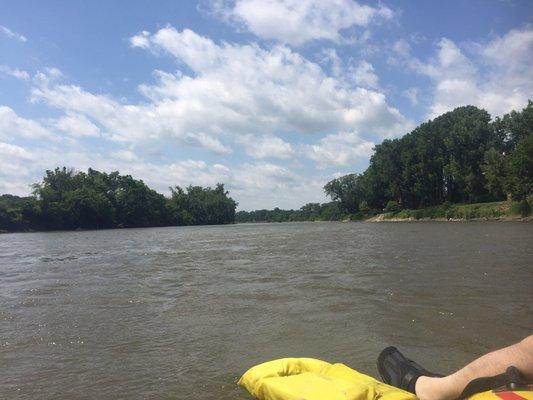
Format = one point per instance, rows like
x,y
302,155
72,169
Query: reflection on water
x,y
182,312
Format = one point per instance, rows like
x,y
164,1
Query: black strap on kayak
x,y
512,378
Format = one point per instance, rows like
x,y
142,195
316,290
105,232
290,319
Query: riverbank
x,y
495,211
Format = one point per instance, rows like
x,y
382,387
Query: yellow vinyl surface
x,y
311,379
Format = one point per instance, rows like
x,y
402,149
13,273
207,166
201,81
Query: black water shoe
x,y
399,371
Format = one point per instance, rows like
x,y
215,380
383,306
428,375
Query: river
x,y
181,312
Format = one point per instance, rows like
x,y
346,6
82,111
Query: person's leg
x,y
450,387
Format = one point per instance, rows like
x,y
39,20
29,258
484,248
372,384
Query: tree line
x,y
459,157
331,211
66,199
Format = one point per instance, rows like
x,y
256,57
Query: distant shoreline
x,y
514,218
502,211
493,211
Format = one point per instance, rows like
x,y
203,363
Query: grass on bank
x,y
494,210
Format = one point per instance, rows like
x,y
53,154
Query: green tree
x,y
347,190
520,169
440,160
89,209
392,206
332,211
495,172
201,206
137,205
513,127
66,199
310,211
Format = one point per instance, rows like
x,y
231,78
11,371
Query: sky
x,y
273,98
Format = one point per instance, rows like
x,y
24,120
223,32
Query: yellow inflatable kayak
x,y
311,379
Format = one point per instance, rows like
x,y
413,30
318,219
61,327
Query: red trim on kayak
x,y
509,396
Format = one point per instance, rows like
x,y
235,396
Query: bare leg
x,y
450,387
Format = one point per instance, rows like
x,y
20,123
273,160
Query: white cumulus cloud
x,y
77,125
12,126
364,75
496,75
249,89
341,149
299,21
234,91
11,150
266,146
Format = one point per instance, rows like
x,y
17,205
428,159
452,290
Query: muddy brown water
x,y
181,312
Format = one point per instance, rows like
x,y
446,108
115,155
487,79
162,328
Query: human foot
x,y
399,371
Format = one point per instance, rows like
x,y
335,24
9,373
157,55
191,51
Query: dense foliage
x,y
94,200
459,157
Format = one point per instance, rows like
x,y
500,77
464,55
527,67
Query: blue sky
x,y
271,97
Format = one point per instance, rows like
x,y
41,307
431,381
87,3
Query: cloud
x,y
449,63
402,47
14,72
207,141
360,74
266,185
232,92
516,45
11,150
47,75
412,95
266,146
272,176
298,21
141,40
11,34
330,56
364,75
245,89
163,121
124,155
254,185
77,125
496,76
15,168
12,126
342,149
